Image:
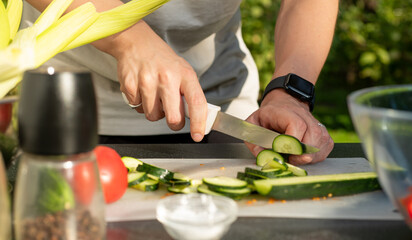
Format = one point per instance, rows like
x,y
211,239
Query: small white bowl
x,y
196,216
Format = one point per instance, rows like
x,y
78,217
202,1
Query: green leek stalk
x,y
53,33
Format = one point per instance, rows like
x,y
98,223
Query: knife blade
x,y
241,129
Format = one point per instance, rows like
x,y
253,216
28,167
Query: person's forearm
x,y
107,44
303,36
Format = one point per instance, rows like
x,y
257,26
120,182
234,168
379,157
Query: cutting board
x,y
137,205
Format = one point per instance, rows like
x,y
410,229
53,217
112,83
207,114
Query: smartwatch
x,y
295,86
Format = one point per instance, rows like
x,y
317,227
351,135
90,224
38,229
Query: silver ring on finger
x,y
130,105
321,125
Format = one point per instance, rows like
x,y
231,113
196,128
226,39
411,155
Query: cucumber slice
x,y
164,175
202,188
182,189
179,182
286,173
179,179
318,186
255,176
267,155
148,185
134,178
131,163
275,164
232,193
225,182
269,173
297,171
288,144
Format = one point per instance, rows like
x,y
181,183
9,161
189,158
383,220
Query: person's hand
x,y
285,114
153,75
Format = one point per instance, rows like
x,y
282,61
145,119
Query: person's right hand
x,y
152,74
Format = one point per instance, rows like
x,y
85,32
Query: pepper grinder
x,y
58,192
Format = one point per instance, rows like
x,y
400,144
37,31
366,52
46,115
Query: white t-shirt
x,y
205,33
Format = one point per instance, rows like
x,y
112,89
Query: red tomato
x,y
84,182
113,173
407,203
5,116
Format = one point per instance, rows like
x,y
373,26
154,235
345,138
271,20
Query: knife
x,y
243,130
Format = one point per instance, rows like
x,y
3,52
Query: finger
x,y
173,107
152,106
130,91
197,105
319,137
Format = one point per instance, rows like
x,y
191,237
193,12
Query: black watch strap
x,y
295,86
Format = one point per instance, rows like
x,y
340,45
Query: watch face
x,y
300,87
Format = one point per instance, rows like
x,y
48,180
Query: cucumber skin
x,y
163,174
263,174
321,189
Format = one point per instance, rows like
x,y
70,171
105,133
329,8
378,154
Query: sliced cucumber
x,y
164,175
134,178
148,185
288,144
286,173
225,182
255,176
232,193
297,171
179,179
267,155
182,189
275,164
269,173
202,188
179,182
131,163
318,186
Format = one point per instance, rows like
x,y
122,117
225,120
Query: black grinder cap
x,y
57,112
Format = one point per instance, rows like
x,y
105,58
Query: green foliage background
x,y
372,46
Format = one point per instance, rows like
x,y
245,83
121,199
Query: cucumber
x,y
318,186
297,171
202,188
269,173
179,182
148,185
179,179
232,193
255,176
288,144
286,173
164,175
275,163
134,178
131,163
225,182
182,189
267,155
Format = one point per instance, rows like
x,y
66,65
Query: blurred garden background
x,y
372,46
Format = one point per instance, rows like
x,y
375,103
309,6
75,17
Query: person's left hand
x,y
285,114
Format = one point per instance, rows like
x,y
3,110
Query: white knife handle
x,y
212,111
